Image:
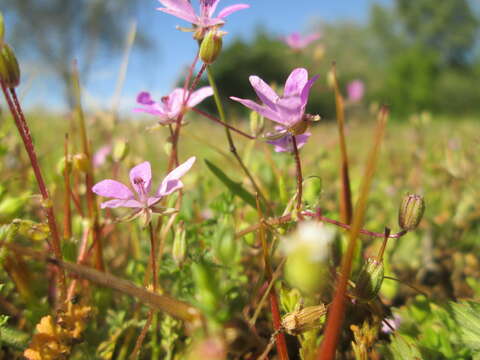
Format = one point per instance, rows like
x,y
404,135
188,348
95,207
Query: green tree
x,y
54,32
448,28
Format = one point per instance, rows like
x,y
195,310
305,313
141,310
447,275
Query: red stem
x,y
24,132
217,120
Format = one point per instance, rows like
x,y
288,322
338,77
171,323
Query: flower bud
x,y
369,280
120,150
211,46
9,69
411,212
64,164
80,162
179,248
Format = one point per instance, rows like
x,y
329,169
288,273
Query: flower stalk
x,y
24,131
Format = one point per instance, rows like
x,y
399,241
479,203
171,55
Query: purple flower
x,y
183,9
298,42
172,105
140,199
390,324
287,110
355,90
285,143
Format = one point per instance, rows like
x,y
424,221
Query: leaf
x,y
467,315
236,188
404,349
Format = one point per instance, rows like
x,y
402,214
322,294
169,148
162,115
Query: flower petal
x,y
306,90
231,9
174,102
144,98
172,180
207,7
261,109
296,82
265,93
199,95
121,203
141,178
112,189
184,11
152,110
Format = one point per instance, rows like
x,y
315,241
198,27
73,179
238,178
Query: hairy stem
x,y
274,308
24,131
299,174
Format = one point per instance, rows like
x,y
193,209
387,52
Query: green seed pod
x,y
80,162
9,69
369,280
411,212
211,46
179,248
300,127
120,150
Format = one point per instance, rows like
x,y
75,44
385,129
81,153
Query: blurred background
x,y
416,56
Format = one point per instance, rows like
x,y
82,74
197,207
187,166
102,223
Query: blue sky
x,y
174,50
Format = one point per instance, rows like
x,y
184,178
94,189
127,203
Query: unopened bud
x,y
411,212
64,164
211,46
9,69
369,280
80,162
120,150
179,248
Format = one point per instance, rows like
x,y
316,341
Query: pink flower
x,y
183,9
298,42
171,106
355,90
285,142
101,155
287,110
140,199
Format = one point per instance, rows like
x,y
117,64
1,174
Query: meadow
x,y
238,239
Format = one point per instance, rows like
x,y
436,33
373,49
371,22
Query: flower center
x,y
140,188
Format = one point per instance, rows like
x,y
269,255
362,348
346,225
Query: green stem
x,y
299,174
231,144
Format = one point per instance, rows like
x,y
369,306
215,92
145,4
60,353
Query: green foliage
x,y
236,188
